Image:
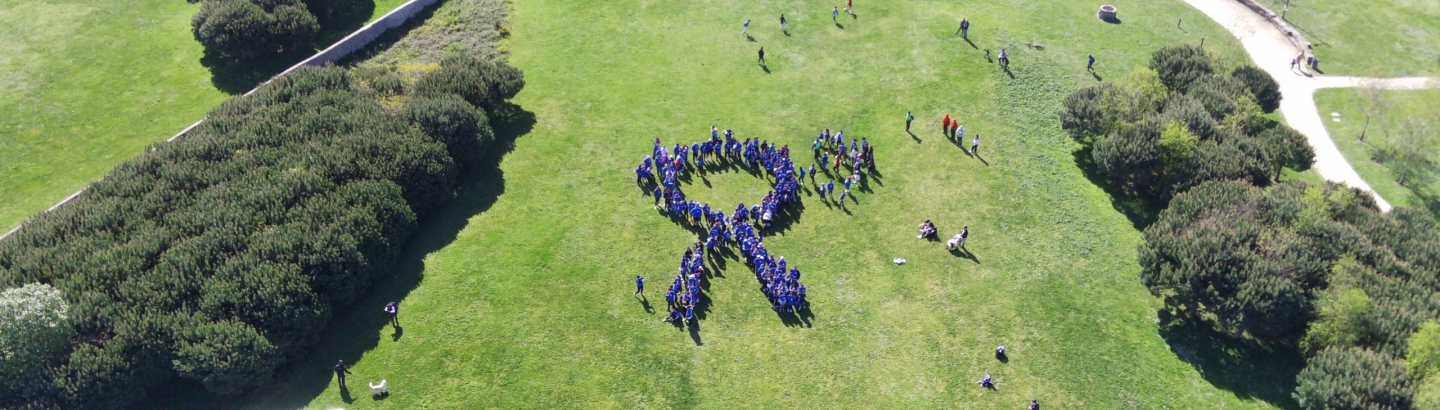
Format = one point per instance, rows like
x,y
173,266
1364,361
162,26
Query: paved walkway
x,y
1272,51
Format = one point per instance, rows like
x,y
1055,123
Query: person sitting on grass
x,y
953,243
1000,352
927,230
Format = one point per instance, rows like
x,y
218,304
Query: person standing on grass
x,y
964,235
782,24
965,28
745,28
945,124
341,371
850,7
1090,66
960,134
394,310
975,146
835,15
908,118
639,286
762,55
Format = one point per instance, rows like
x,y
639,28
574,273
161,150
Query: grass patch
x,y
1353,106
518,294
1381,38
86,84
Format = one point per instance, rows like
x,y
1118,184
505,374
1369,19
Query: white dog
x,y
378,389
953,243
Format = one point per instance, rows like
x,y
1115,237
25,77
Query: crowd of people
x,y
743,228
855,158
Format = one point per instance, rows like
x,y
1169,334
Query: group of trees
x,y
222,255
1317,267
255,29
1184,121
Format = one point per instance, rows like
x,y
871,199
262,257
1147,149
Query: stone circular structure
x,y
1107,13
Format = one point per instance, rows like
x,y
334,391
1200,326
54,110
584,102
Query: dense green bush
x,y
1353,378
220,256
34,326
1182,65
1263,87
1209,128
253,29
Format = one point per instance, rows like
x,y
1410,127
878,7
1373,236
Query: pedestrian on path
x,y
782,24
908,118
1090,66
341,371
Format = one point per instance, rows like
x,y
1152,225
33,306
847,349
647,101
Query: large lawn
x,y
86,84
1399,106
519,293
1372,38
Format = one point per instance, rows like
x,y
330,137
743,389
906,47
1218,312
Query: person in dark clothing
x,y
1090,66
762,55
394,310
341,371
782,24
1034,405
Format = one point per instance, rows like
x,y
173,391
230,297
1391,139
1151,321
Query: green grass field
x,y
1352,105
1380,38
518,294
86,84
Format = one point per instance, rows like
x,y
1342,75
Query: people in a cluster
x,y
743,228
927,230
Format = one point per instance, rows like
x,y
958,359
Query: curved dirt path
x,y
1271,51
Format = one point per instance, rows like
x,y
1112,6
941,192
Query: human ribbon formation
x,y
742,228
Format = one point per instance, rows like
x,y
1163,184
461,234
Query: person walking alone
x,y
394,310
639,286
745,28
762,55
782,24
341,371
835,15
1090,66
908,119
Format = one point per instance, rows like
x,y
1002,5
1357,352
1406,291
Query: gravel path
x,y
1272,51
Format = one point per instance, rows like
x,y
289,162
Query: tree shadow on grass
x,y
1248,369
356,329
1140,211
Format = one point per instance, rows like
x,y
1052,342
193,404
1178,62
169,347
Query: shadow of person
x,y
345,394
749,37
982,159
972,45
399,331
695,332
841,26
1096,75
913,137
1003,358
765,68
645,303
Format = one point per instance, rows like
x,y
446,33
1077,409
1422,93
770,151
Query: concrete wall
x,y
351,43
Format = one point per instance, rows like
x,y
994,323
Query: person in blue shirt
x,y
639,286
657,196
848,181
670,299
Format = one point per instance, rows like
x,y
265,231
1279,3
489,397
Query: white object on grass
x,y
899,261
